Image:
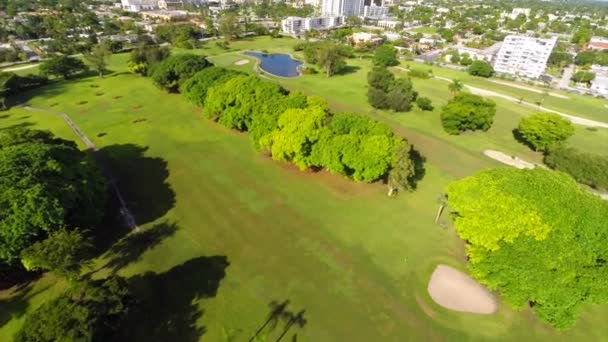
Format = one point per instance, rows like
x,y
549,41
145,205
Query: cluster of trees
x,y
182,36
143,59
560,59
11,55
591,57
456,58
585,168
384,91
542,131
481,68
549,255
327,55
300,129
46,184
175,70
467,112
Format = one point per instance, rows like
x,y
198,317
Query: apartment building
x,y
297,25
345,8
374,11
524,56
139,5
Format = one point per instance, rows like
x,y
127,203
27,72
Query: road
x,y
124,209
489,93
17,68
565,80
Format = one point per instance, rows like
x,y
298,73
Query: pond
x,y
278,64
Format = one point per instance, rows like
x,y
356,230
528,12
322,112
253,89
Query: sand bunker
x,y
242,62
508,160
457,291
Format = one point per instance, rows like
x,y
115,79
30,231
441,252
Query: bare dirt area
x,y
457,291
509,160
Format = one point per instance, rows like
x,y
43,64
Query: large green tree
x,y
468,112
99,58
89,311
543,130
385,55
62,66
46,183
62,252
175,70
143,59
481,68
536,237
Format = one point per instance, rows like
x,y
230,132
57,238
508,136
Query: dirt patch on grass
x,y
241,62
457,291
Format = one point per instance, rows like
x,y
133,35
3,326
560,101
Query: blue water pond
x,y
278,64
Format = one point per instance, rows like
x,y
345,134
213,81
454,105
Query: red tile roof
x,y
598,45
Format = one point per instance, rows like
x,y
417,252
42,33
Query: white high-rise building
x,y
344,8
524,56
297,25
139,5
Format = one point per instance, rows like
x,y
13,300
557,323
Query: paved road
x,y
489,93
565,80
17,68
101,160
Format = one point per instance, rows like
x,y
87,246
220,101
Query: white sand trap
x,y
242,62
508,160
457,291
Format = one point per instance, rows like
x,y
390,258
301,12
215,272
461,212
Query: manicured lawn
x,y
229,231
579,105
426,29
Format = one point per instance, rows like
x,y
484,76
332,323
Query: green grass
x,y
355,260
579,105
425,29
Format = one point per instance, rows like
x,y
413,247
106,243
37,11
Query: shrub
x,y
424,103
586,168
543,130
420,73
480,68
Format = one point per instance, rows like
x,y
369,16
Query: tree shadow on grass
x,y
15,306
520,138
142,180
167,307
131,248
280,313
348,69
419,169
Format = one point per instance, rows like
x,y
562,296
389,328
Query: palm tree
x,y
442,200
455,87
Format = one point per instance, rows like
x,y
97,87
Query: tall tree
x,y
330,58
455,87
385,55
99,58
467,112
229,26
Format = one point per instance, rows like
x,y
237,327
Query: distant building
x,y
486,55
365,37
165,15
139,5
388,24
524,56
297,25
598,43
519,11
344,8
374,11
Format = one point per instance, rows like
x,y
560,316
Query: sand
x,y
457,291
241,62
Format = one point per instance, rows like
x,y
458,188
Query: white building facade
x,y
374,11
524,56
345,8
297,25
139,5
